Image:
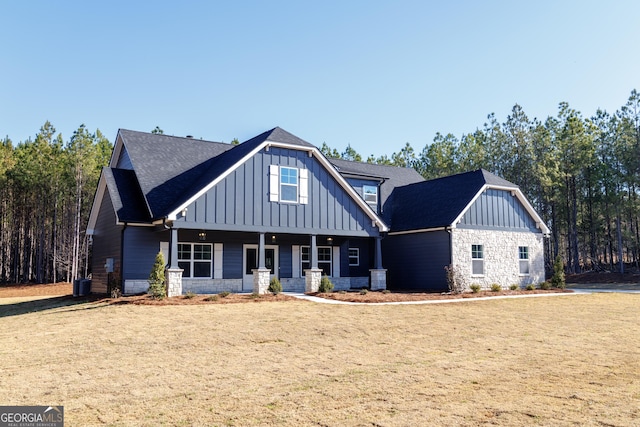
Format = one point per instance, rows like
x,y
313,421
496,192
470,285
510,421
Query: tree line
x,y
582,175
46,191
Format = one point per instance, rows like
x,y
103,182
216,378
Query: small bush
x,y
514,287
211,298
325,285
558,280
545,286
224,294
530,287
495,287
275,287
157,288
255,295
386,291
189,295
475,288
116,293
364,291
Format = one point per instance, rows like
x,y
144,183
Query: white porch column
x,y
313,275
173,274
378,274
261,275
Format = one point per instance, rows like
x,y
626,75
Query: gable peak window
x,y
288,184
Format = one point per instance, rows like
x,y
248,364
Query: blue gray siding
x,y
416,261
106,244
141,247
500,210
357,185
124,162
241,201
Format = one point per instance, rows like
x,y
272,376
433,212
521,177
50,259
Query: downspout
x,y
122,258
450,233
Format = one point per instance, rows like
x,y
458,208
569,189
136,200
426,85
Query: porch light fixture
x,y
329,240
202,236
273,238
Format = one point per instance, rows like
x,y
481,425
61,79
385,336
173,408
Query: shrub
x,y
255,295
211,298
495,287
224,294
386,291
544,285
156,279
558,280
275,287
530,287
189,295
116,293
325,285
514,287
364,291
475,288
455,279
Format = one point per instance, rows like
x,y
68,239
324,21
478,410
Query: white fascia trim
x,y
97,202
423,230
519,195
312,151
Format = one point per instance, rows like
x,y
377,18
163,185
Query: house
x,y
231,217
479,223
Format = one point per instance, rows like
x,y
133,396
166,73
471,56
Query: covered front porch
x,y
212,261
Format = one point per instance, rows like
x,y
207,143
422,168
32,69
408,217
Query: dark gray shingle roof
x,y
438,202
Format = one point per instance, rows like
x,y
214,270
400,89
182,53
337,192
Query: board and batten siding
x,y
497,209
240,202
106,244
416,261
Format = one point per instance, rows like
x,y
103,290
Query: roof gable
x,y
441,203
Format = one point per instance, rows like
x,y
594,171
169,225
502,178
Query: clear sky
x,y
372,74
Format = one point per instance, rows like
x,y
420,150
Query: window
x,y
477,260
324,259
354,256
523,257
195,259
288,184
370,194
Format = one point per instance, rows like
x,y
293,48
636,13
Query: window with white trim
x,y
354,257
477,260
324,259
288,184
370,194
523,259
195,259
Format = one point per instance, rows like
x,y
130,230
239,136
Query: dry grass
x,y
567,360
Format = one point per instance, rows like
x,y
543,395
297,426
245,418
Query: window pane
x,y
354,256
325,267
289,176
524,267
186,266
523,252
477,267
476,252
202,252
324,254
184,251
202,269
252,260
289,193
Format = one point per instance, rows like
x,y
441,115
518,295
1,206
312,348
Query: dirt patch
x,y
380,296
57,289
198,299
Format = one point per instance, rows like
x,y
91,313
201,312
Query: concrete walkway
x,y
440,301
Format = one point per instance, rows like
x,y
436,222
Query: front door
x,y
250,261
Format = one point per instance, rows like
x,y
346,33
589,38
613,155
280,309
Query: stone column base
x,y
174,281
312,279
378,279
261,278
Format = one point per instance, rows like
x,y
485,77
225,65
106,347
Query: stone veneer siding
x,y
501,263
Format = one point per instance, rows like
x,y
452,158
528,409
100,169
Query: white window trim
x,y
332,261
302,187
357,264
191,261
527,260
364,194
296,185
478,259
